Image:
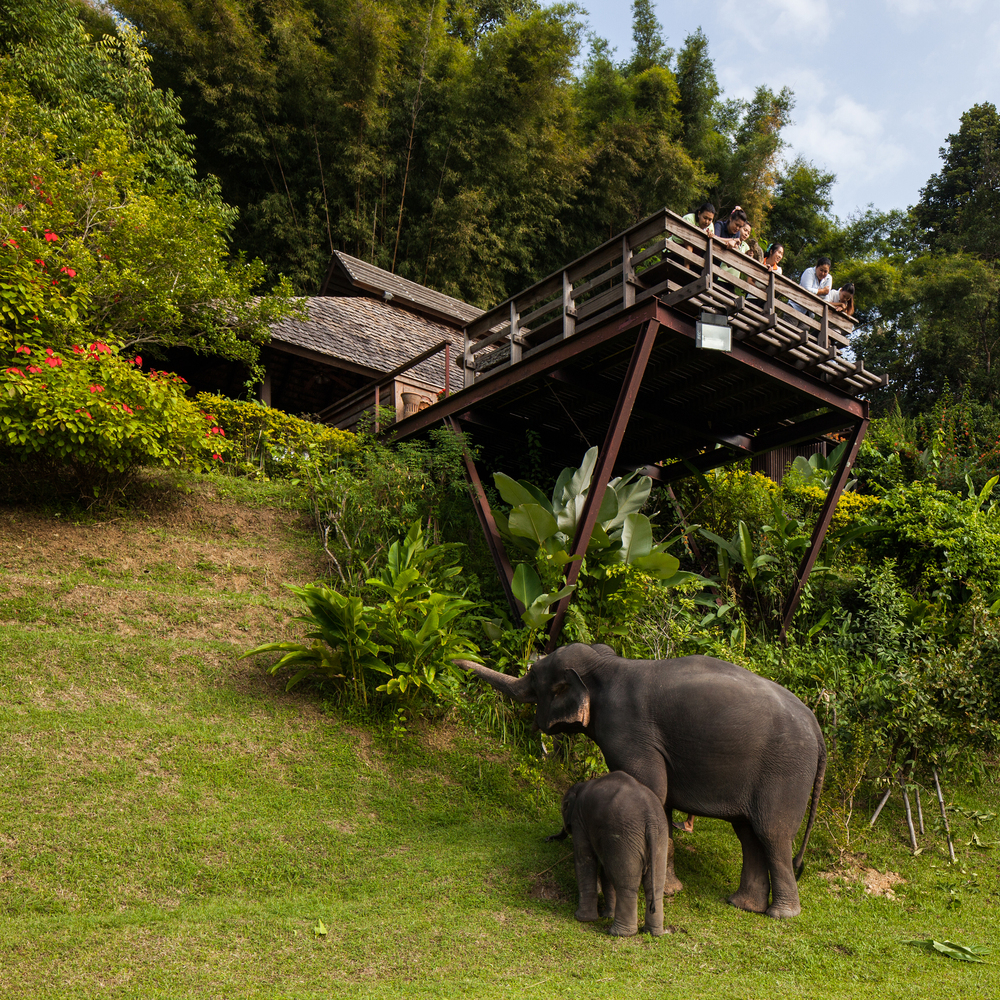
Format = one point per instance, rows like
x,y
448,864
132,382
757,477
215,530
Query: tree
x,y
106,230
958,207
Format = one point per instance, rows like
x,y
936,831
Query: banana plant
x,y
544,528
738,551
820,470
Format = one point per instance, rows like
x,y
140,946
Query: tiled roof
x,y
407,293
370,333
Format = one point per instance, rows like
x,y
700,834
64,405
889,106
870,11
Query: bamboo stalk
x,y
944,815
878,809
909,815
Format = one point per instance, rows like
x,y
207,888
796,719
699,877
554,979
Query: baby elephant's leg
x,y
626,912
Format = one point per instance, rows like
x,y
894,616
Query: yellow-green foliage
x,y
806,501
735,495
261,441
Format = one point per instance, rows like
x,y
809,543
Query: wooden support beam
x,y
491,533
825,517
606,459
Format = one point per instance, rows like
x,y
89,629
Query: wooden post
x,y
376,409
468,361
878,808
909,815
944,815
569,307
628,275
494,543
606,459
825,517
515,347
447,370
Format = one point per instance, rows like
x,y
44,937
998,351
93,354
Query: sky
x,y
879,84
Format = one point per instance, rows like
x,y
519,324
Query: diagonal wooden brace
x,y
606,459
494,543
825,517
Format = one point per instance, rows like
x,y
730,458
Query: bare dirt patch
x,y
874,882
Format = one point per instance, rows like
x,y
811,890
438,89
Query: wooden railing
x,y
664,256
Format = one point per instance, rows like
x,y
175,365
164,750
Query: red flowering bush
x,y
87,419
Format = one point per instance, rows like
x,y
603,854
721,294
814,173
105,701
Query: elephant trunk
x,y
518,688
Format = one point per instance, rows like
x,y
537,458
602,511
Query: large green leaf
x,y
637,537
526,586
530,520
512,491
662,566
579,482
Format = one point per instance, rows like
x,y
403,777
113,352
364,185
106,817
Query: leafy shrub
x,y
407,642
943,544
87,419
375,497
261,441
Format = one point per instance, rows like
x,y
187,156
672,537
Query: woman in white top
x,y
772,257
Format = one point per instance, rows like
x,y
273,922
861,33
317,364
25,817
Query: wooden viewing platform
x,y
604,352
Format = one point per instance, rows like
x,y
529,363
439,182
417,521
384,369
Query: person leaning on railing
x,y
816,280
729,232
842,299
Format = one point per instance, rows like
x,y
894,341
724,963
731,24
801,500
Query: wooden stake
x,y
920,811
885,798
909,815
944,814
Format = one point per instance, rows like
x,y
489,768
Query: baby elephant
x,y
620,835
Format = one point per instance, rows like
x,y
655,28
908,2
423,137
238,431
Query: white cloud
x,y
851,140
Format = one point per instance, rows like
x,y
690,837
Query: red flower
x,y
49,351
13,371
97,388
13,243
86,413
23,349
39,262
218,458
53,362
35,370
68,271
78,350
51,237
138,360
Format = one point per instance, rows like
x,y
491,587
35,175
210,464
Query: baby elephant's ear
x,y
570,701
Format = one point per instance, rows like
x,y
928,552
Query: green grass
x,y
173,824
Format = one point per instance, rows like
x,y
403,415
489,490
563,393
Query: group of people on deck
x,y
735,231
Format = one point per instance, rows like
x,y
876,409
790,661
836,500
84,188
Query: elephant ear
x,y
570,701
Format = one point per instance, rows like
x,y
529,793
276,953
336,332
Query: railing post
x,y
824,328
376,410
770,292
628,275
447,370
515,347
468,361
569,307
706,271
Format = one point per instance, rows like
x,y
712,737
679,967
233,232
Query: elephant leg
x,y
652,887
626,911
671,883
608,890
587,871
784,888
755,885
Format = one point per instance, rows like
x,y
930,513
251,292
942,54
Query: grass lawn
x,y
173,824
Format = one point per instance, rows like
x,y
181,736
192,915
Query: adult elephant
x,y
708,737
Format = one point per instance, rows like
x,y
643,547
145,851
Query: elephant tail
x,y
798,864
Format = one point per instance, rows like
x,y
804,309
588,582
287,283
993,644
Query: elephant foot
x,y
654,930
623,930
671,884
607,910
586,915
744,901
783,911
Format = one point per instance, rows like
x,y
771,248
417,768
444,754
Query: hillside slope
x,y
173,824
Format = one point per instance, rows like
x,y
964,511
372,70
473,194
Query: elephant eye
x,y
560,687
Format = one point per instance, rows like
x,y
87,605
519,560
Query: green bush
x,y
85,420
264,442
402,647
944,544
